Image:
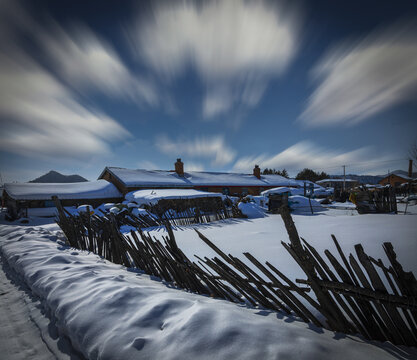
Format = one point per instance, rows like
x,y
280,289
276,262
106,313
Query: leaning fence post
x,y
330,310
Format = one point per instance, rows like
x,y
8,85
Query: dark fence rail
x,y
350,293
190,211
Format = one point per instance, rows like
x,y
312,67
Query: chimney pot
x,y
179,167
257,171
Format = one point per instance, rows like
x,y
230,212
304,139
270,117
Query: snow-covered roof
x,y
153,196
164,178
277,180
372,186
283,189
277,190
308,182
100,189
335,180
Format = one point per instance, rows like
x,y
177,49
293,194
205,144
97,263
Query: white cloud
x,y
213,148
235,46
40,117
307,154
192,166
361,80
88,62
217,100
148,165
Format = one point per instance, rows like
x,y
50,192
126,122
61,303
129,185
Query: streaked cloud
x,y
234,46
88,62
365,78
213,148
41,117
307,154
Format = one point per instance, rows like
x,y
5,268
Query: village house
x,y
397,179
19,197
234,184
337,184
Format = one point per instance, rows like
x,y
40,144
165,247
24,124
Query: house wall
x,y
235,190
14,205
112,179
393,180
339,184
10,204
232,190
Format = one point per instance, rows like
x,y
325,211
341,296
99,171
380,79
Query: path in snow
x,y
25,332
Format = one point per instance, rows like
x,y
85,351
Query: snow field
x,y
108,311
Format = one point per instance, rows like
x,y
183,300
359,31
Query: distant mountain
x,y
56,177
363,179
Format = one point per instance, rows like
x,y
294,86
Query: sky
x,y
223,85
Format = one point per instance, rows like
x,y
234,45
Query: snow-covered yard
x,y
262,237
110,312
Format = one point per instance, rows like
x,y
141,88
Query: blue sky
x,y
224,85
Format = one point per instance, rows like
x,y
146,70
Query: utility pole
x,y
344,177
410,173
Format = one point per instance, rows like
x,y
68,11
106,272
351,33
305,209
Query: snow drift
x,y
110,313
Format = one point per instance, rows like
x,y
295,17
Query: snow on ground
x,y
25,331
109,312
339,205
262,237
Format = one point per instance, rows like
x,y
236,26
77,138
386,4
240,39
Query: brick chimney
x,y
257,171
179,167
410,168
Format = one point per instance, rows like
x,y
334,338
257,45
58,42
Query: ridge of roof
x,y
143,177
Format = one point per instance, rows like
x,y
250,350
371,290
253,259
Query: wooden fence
x,y
194,210
352,298
359,296
375,200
